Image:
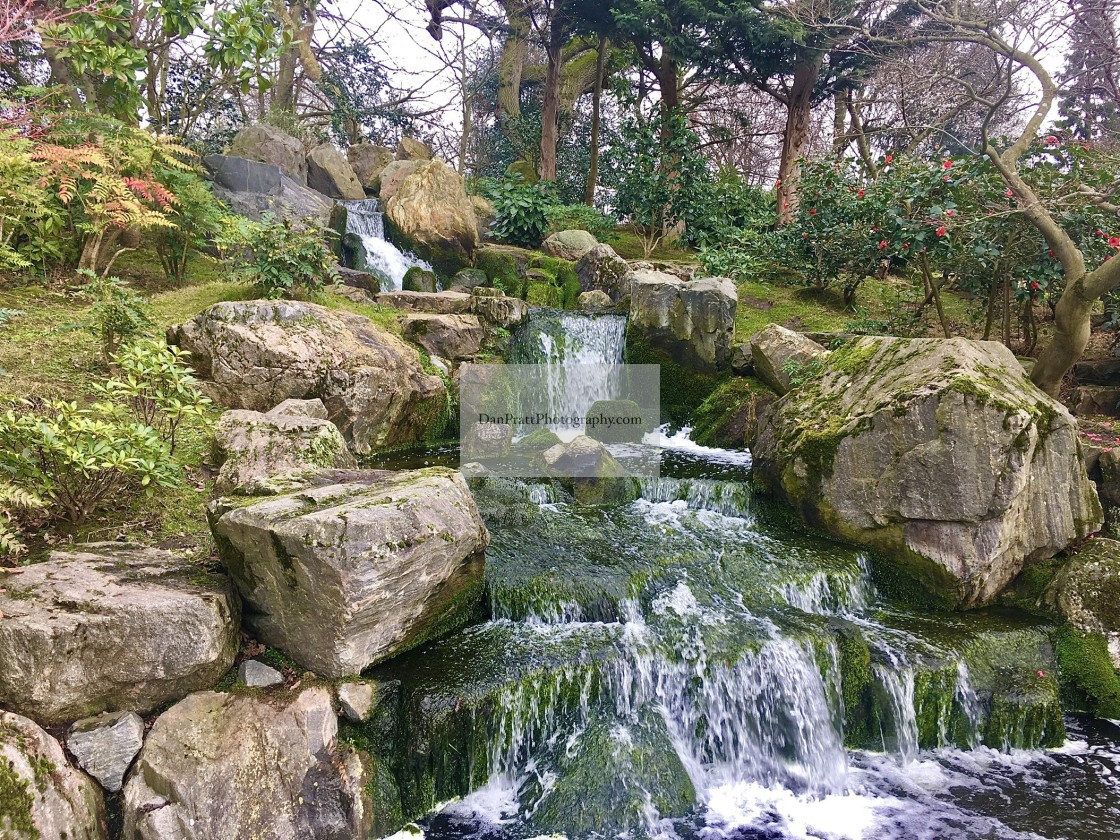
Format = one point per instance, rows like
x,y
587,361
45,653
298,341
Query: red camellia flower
x,y
948,164
1114,241
804,235
941,231
812,211
1050,252
859,194
950,213
1034,285
1040,674
882,244
888,158
1098,233
1008,193
905,244
1051,140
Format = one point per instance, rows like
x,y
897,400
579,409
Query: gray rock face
x,y
603,270
229,767
742,359
105,746
692,321
112,627
411,149
44,797
594,301
777,352
393,175
468,278
252,189
268,144
939,453
329,172
258,675
348,574
299,408
454,337
356,699
569,244
1087,592
368,161
256,354
590,473
266,453
498,309
438,303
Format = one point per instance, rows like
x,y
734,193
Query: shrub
x,y
199,218
578,217
282,256
78,458
118,313
520,210
154,383
13,500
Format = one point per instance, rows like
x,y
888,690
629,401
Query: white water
x,y
366,221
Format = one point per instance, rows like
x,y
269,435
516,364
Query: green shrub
x,y
199,218
520,212
282,256
153,381
12,501
79,458
118,313
578,217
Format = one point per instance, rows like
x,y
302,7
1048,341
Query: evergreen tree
x,y
1090,95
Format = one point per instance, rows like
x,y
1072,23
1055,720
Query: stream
x,y
698,664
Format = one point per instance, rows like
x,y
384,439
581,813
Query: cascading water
x,y
365,221
688,666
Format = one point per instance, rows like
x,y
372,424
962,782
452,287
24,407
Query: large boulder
x,y
254,354
268,144
497,308
781,357
691,321
368,565
393,175
252,189
601,268
590,473
594,301
368,161
265,453
1086,591
939,453
329,172
411,149
569,244
440,303
112,627
232,767
455,337
41,796
431,214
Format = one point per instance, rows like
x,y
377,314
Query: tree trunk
x,y
550,106
511,64
596,104
1068,342
668,82
796,135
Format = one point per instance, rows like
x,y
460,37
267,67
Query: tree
x,y
1090,95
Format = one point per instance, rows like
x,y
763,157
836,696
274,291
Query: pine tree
x,y
1090,95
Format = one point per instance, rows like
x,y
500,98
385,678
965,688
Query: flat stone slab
x,y
437,303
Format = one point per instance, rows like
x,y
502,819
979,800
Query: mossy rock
x,y
629,425
542,294
728,418
539,439
525,169
418,279
1089,681
683,389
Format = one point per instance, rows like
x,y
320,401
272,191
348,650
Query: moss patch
x,y
1088,680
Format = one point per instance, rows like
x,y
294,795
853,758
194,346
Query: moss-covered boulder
x,y
255,354
1086,592
41,796
217,766
616,421
359,569
569,244
939,453
729,417
601,268
418,279
588,471
431,215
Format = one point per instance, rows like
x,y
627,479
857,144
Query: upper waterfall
x,y
366,221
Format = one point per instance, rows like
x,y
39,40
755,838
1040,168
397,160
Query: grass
x,y
628,245
812,310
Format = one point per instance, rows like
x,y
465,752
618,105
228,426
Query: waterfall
x,y
579,357
365,221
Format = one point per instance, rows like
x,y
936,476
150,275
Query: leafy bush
x,y
520,210
13,501
118,313
199,218
578,217
282,256
78,458
154,382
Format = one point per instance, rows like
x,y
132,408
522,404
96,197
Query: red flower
x,y
1040,674
1051,140
1098,233
859,194
882,244
804,235
1050,252
812,211
950,213
777,183
1034,284
905,244
1114,241
888,158
941,231
946,177
1009,193
948,164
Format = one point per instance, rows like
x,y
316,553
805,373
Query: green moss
x,y
502,268
727,416
417,279
683,389
1088,680
540,439
543,294
855,686
16,800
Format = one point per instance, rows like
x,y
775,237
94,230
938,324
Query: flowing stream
x,y
365,221
697,665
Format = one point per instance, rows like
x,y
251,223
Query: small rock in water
x,y
106,744
356,700
258,675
